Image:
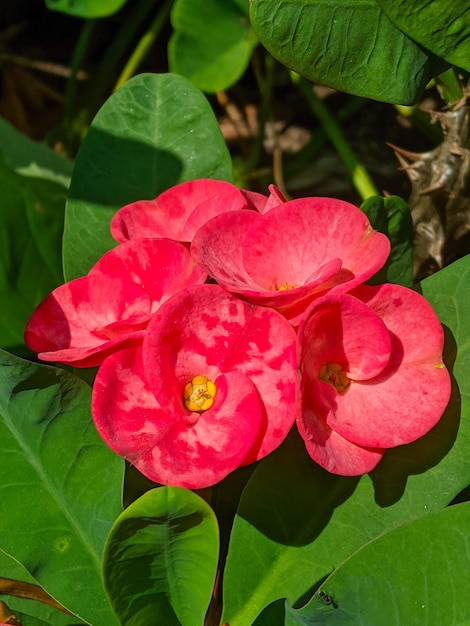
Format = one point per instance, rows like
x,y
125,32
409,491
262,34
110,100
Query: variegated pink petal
x,y
80,321
206,331
175,448
178,212
161,266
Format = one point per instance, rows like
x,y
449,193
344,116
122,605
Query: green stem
x,y
144,45
359,176
265,86
104,76
450,86
76,64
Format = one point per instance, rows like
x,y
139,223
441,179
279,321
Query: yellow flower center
x,y
286,286
199,394
335,375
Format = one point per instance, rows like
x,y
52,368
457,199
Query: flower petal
x,y
80,321
326,447
162,445
178,212
161,266
343,330
206,331
409,397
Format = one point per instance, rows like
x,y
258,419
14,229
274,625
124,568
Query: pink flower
x,y
296,251
178,212
373,376
85,319
213,386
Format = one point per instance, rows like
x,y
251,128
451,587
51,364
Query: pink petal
x,y
83,319
326,447
167,447
258,202
178,212
161,266
409,397
343,330
206,331
312,245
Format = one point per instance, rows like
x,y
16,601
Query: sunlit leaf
x,y
154,132
161,558
60,486
347,44
212,42
417,573
442,27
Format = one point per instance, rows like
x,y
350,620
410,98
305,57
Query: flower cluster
x,y
196,379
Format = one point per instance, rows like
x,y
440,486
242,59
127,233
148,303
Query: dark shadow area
x,y
391,475
291,499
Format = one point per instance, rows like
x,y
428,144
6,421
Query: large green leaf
x,y
418,573
161,558
60,486
31,223
440,26
212,42
347,44
88,9
154,132
11,569
308,521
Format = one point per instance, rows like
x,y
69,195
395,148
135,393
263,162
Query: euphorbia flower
x,y
295,252
373,375
213,386
180,211
85,319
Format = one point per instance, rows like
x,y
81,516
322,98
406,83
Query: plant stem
x,y
76,64
144,45
359,176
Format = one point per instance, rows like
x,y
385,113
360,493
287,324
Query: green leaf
x,y
31,158
161,558
308,521
212,42
9,568
391,216
417,573
88,9
440,26
31,224
155,132
347,44
60,486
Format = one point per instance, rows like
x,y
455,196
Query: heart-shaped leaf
x,y
154,132
212,42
